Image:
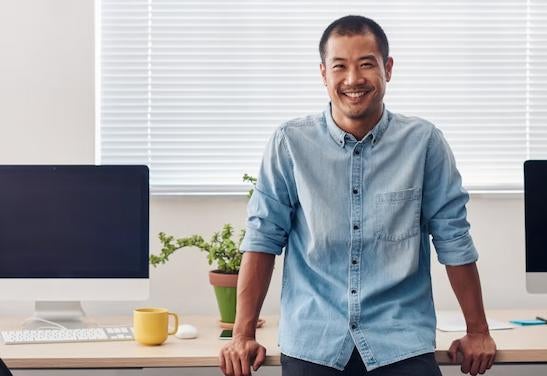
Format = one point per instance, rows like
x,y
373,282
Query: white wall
x,y
47,96
46,81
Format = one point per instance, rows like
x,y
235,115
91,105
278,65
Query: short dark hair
x,y
353,25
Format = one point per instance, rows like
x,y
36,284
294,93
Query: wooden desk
x,y
520,345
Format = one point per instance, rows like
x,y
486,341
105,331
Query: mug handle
x,y
176,317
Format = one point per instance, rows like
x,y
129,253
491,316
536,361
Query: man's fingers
x,y
453,350
466,363
222,361
236,363
228,364
245,367
237,358
491,361
260,357
484,364
475,365
492,358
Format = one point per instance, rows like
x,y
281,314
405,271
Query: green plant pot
x,y
225,286
226,299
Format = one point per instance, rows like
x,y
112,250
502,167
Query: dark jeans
x,y
4,371
421,365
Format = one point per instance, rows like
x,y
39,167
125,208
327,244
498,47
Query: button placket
x,y
356,200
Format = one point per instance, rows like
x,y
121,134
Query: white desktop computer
x,y
72,233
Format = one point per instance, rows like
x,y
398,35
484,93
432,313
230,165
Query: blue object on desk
x,y
528,322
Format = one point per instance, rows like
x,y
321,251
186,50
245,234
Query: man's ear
x,y
323,71
388,67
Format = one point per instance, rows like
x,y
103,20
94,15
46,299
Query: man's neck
x,y
359,128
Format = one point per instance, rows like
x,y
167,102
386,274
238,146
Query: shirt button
x,y
355,191
355,227
353,326
354,262
354,292
356,152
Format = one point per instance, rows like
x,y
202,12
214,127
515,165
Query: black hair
x,y
353,25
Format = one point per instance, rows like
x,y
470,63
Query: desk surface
x,y
523,344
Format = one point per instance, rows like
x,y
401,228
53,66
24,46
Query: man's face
x,y
355,76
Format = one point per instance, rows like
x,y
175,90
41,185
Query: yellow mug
x,y
151,325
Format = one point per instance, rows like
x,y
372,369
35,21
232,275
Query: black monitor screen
x,y
74,221
535,208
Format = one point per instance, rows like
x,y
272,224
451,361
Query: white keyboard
x,y
16,337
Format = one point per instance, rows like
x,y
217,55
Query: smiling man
x,y
353,195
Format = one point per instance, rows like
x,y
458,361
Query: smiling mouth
x,y
356,95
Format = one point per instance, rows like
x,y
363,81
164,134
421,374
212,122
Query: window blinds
x,y
194,89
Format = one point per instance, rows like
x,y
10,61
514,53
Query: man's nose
x,y
354,76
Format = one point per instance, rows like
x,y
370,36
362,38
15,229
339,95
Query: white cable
x,y
54,325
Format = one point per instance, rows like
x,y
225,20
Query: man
x,y
353,194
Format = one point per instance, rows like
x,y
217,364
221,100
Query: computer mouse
x,y
186,331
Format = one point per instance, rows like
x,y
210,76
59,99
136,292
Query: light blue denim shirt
x,y
355,219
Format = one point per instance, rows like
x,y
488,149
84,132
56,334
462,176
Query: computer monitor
x,y
535,209
73,232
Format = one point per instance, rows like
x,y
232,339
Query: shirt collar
x,y
340,136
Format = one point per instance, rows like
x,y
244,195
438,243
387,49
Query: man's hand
x,y
236,356
478,350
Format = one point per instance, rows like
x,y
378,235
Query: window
x,y
195,88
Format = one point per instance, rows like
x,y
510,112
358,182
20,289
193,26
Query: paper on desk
x,y
453,321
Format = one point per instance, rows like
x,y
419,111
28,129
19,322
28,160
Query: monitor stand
x,y
66,314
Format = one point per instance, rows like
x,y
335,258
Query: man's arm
x,y
269,220
478,348
253,281
252,285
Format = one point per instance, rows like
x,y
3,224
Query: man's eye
x,y
366,65
338,67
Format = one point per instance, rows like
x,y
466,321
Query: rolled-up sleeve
x,y
443,206
271,207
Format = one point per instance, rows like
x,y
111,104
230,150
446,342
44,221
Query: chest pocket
x,y
398,214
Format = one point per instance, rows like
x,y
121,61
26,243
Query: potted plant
x,y
223,250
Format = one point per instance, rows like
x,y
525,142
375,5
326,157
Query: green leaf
x,y
222,249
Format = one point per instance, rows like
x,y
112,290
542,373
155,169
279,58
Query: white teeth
x,y
355,95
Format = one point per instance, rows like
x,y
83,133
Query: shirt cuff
x,y
459,251
254,241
